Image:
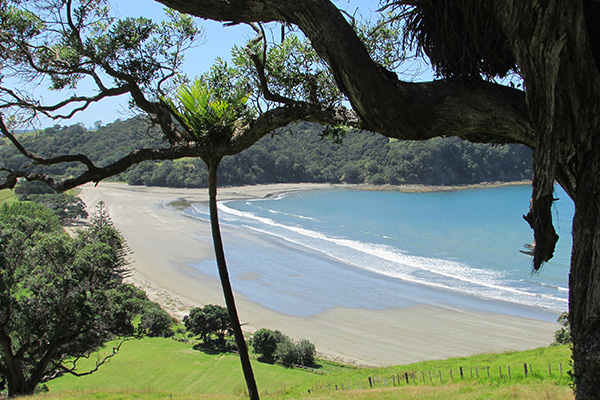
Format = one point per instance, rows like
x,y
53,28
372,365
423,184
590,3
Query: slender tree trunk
x,y
226,284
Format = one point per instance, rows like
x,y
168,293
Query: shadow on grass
x,y
213,347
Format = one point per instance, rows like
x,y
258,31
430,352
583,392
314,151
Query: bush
x,y
563,335
305,353
156,322
265,341
286,352
275,346
208,320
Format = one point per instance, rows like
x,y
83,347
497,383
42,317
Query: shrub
x,y
286,352
305,353
208,320
275,346
563,335
265,341
156,322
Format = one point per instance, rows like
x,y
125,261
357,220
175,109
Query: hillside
x,y
296,154
167,368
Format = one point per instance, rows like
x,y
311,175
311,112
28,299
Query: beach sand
x,y
165,242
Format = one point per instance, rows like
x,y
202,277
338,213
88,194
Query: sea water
x,y
302,253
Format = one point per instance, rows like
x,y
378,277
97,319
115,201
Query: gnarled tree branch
x,y
479,112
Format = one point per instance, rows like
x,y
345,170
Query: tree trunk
x,y
226,284
549,39
584,283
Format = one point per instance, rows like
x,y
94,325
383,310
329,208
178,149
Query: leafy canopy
x,y
61,297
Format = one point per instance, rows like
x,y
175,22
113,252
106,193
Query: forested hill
x,y
298,154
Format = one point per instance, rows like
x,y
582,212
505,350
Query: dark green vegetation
x,y
297,154
155,368
61,297
207,321
274,346
66,207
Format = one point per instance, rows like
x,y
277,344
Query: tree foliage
x,y
274,346
208,320
296,154
155,322
61,297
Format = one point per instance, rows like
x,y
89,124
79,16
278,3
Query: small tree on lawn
x,y
265,343
156,322
208,320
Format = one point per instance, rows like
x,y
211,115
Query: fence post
x,y
500,369
450,373
440,371
509,372
423,376
560,369
461,372
429,376
476,372
406,377
525,368
488,371
530,370
471,371
370,383
549,370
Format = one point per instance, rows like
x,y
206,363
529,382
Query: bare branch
x,y
64,369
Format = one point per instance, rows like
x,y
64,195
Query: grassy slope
x,y
7,196
155,368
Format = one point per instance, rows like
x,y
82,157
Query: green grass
x,y
475,372
7,196
166,365
156,368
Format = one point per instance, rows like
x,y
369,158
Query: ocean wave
x,y
393,262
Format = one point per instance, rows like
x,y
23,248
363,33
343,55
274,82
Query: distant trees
x,y
297,155
61,297
207,321
274,346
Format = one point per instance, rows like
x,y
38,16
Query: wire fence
x,y
442,376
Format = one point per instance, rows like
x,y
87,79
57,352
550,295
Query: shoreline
x,y
165,244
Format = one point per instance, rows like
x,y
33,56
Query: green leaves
x,y
208,113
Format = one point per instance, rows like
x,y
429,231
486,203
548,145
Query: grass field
x,y
156,368
7,196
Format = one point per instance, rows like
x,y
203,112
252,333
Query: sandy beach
x,y
165,243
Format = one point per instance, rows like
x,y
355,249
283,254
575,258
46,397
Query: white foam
x,y
392,262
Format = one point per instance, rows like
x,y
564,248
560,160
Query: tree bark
x,y
549,39
584,283
212,165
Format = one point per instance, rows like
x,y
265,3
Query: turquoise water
x,y
314,250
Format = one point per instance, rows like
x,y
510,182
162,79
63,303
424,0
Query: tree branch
x,y
482,112
242,138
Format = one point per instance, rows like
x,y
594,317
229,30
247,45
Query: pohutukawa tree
x,y
554,46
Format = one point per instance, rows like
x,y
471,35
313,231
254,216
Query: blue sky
x,y
217,42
